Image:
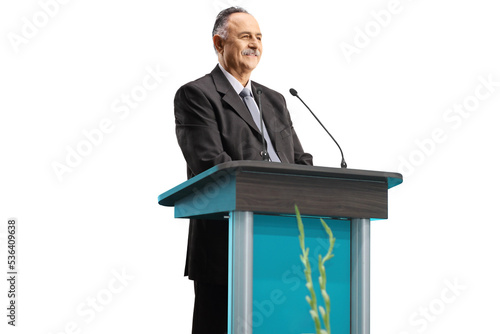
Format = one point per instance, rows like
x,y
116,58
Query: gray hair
x,y
220,26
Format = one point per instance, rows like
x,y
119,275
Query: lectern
x,y
266,281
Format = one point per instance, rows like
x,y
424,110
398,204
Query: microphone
x,y
264,153
294,93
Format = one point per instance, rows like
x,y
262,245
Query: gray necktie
x,y
254,111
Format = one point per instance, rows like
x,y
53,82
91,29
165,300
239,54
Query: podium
x,y
265,276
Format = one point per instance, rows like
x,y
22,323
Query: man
x,y
216,124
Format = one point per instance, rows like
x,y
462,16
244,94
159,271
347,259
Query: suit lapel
x,y
231,97
234,101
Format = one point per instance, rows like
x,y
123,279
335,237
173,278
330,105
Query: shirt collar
x,y
238,87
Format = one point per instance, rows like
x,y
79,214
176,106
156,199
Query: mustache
x,y
251,52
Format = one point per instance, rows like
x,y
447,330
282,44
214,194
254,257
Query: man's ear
x,y
218,43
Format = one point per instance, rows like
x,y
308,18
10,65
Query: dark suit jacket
x,y
213,126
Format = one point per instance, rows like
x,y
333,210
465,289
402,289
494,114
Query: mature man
x,y
218,120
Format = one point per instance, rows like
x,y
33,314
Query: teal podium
x,y
266,281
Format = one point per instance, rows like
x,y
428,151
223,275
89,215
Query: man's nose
x,y
254,42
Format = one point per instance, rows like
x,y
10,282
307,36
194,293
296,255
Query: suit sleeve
x,y
300,156
197,130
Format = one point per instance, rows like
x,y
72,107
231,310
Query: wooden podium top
x,y
267,187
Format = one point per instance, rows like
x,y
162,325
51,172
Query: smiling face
x,y
240,52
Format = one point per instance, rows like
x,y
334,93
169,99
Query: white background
x,y
77,232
